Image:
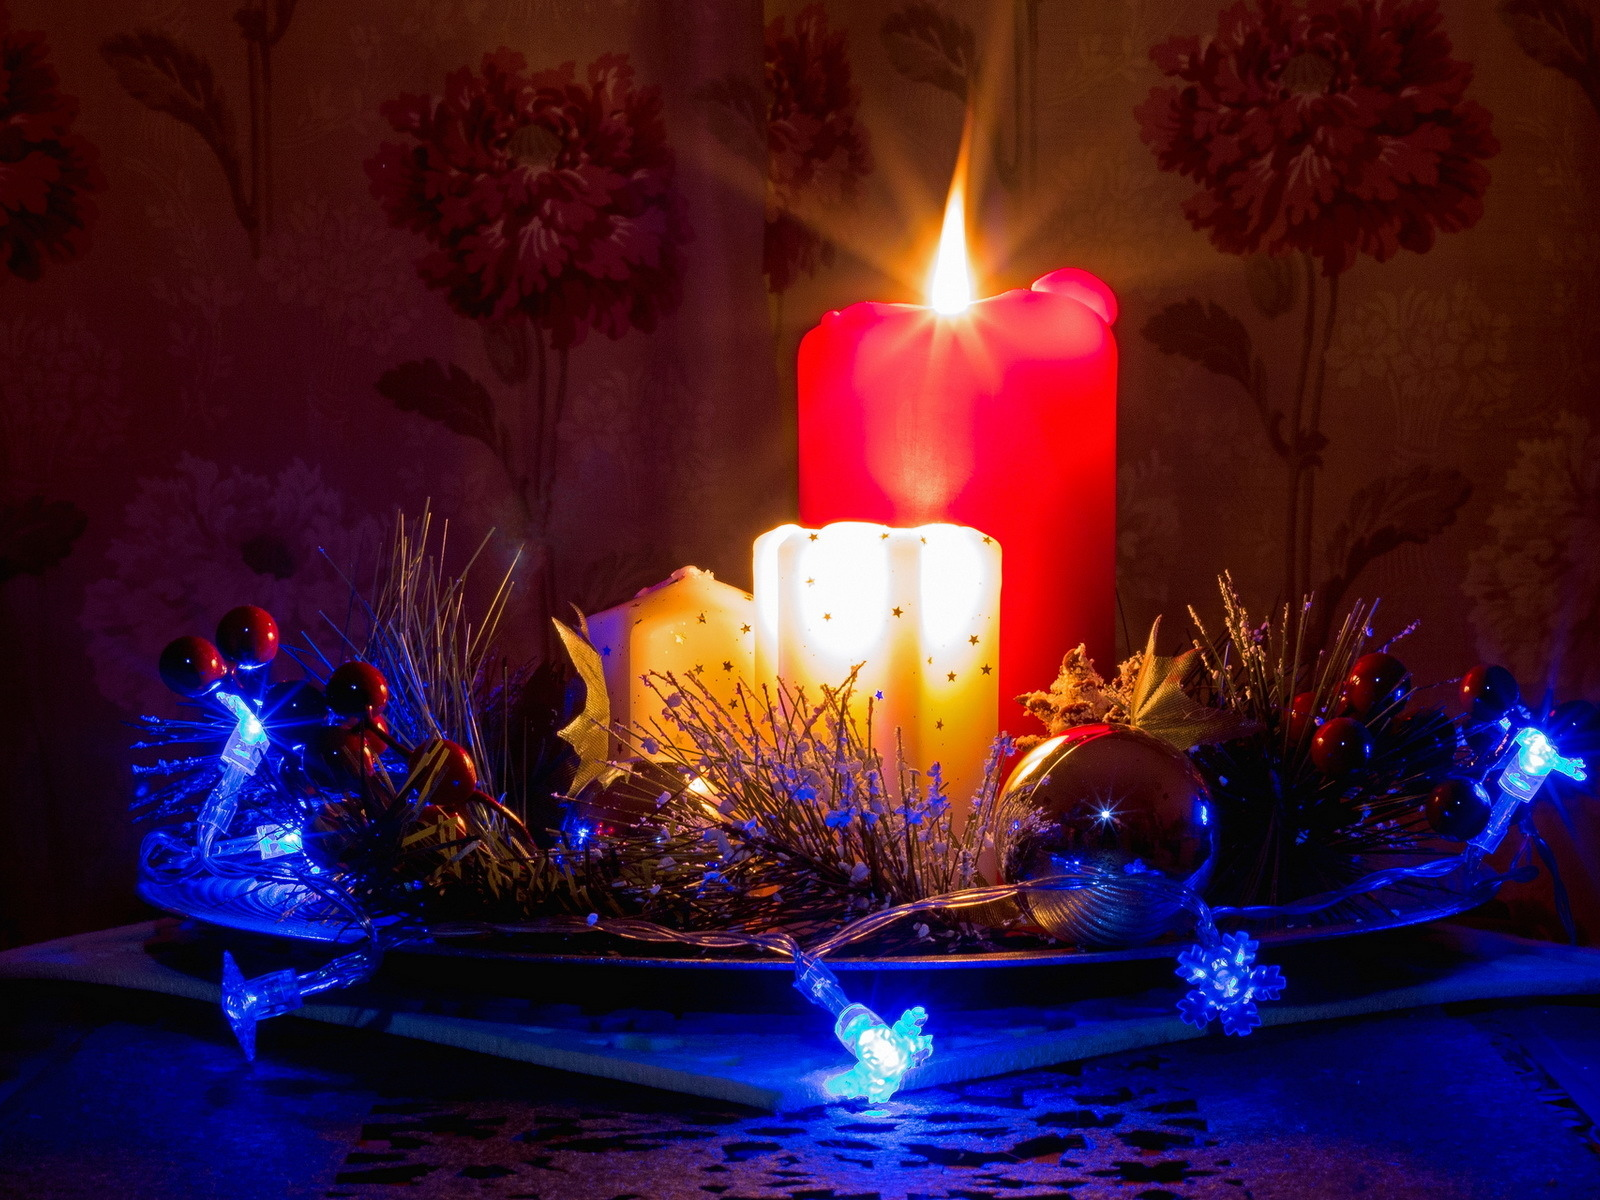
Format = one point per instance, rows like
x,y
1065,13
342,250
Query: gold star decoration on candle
x,y
987,668
702,618
827,616
744,629
938,724
898,611
951,676
813,537
727,664
973,640
678,638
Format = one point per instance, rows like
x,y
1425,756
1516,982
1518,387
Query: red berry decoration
x,y
1489,692
292,708
454,774
1340,746
1458,808
248,636
1302,716
191,666
1376,682
357,689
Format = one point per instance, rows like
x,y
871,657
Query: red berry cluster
x,y
333,736
1369,708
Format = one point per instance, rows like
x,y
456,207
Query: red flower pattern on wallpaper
x,y
543,196
47,172
818,152
1337,128
1318,132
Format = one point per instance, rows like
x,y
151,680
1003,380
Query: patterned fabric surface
x,y
1448,1105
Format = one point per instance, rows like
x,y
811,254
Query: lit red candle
x,y
999,414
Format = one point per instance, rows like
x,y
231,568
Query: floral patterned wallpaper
x,y
269,271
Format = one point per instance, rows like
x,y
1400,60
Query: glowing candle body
x,y
688,624
919,607
1001,417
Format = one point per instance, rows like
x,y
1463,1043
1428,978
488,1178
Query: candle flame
x,y
950,285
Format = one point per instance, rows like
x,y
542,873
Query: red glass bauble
x,y
356,689
451,776
1302,716
1375,682
1340,746
248,636
191,666
1458,808
1489,692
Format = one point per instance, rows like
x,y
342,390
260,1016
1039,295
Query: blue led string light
x,y
1226,984
1533,761
241,755
883,1052
245,1002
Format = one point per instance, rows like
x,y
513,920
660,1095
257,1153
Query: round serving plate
x,y
277,909
288,911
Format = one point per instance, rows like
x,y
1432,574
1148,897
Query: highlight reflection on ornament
x,y
1118,803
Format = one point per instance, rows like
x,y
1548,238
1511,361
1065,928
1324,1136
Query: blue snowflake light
x,y
1225,983
1536,758
884,1053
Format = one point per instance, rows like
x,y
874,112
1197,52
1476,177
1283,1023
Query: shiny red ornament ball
x,y
1458,808
455,775
1302,716
248,636
1489,692
1340,746
1375,682
357,689
191,666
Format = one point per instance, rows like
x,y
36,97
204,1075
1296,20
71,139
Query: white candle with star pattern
x,y
918,608
690,623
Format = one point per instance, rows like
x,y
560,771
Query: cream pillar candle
x,y
920,608
687,624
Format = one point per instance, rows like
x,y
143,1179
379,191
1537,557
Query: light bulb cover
x,y
1533,761
884,1053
